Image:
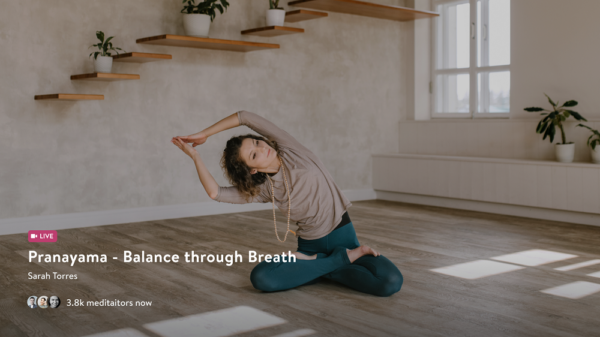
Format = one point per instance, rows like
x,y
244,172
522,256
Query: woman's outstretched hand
x,y
184,146
195,139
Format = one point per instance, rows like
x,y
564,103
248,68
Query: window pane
x,y
453,32
494,92
499,32
452,93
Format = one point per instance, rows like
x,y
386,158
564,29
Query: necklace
x,y
289,203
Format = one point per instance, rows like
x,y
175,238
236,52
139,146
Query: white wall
x,y
555,50
500,138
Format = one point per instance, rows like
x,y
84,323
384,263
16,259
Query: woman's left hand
x,y
185,147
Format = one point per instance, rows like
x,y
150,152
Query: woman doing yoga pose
x,y
277,168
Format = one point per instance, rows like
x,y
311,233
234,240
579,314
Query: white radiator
x,y
546,184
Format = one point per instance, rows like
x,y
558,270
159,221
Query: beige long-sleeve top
x,y
317,203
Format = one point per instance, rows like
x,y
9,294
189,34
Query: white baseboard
x,y
488,207
358,195
112,217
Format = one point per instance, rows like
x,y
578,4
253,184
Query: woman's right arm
x,y
228,194
207,180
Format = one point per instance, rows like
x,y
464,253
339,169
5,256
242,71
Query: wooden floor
x,y
416,238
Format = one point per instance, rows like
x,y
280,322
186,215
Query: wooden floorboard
x,y
416,238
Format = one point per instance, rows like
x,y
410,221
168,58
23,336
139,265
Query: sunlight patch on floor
x,y
575,290
578,265
534,257
218,323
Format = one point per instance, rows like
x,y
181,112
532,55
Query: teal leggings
x,y
368,274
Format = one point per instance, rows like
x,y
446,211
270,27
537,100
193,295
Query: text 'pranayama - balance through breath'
x,y
189,257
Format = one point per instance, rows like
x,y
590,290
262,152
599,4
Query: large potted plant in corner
x,y
102,58
197,18
565,152
593,143
275,14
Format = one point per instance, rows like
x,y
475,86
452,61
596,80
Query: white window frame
x,y
474,70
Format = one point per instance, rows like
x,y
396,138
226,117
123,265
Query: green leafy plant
x,y
592,142
207,7
105,46
274,4
555,118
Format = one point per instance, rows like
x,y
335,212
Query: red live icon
x,y
42,236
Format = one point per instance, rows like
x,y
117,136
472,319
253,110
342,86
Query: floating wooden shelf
x,y
69,97
105,77
206,43
303,15
272,31
140,57
365,9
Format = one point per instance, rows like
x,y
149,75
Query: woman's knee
x,y
391,283
262,279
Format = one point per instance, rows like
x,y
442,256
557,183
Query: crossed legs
x,y
337,257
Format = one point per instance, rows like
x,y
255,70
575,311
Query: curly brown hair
x,y
236,170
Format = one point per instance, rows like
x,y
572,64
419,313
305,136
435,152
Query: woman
x,y
54,302
43,302
277,168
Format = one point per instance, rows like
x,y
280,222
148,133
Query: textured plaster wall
x,y
339,88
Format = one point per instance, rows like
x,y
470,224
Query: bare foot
x,y
355,253
301,256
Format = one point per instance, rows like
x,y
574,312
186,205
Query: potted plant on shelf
x,y
197,18
102,58
565,152
593,143
275,14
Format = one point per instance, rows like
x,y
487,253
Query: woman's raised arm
x,y
207,180
224,124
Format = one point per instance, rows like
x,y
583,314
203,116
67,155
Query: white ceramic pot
x,y
275,17
565,152
103,64
596,154
196,25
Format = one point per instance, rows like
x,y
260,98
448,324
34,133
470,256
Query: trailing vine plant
x,y
592,142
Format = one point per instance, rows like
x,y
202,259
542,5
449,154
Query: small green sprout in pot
x,y
275,14
197,18
102,57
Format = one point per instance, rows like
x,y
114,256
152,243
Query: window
x,y
471,63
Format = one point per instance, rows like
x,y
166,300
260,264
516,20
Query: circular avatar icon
x,y
32,302
54,302
42,302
